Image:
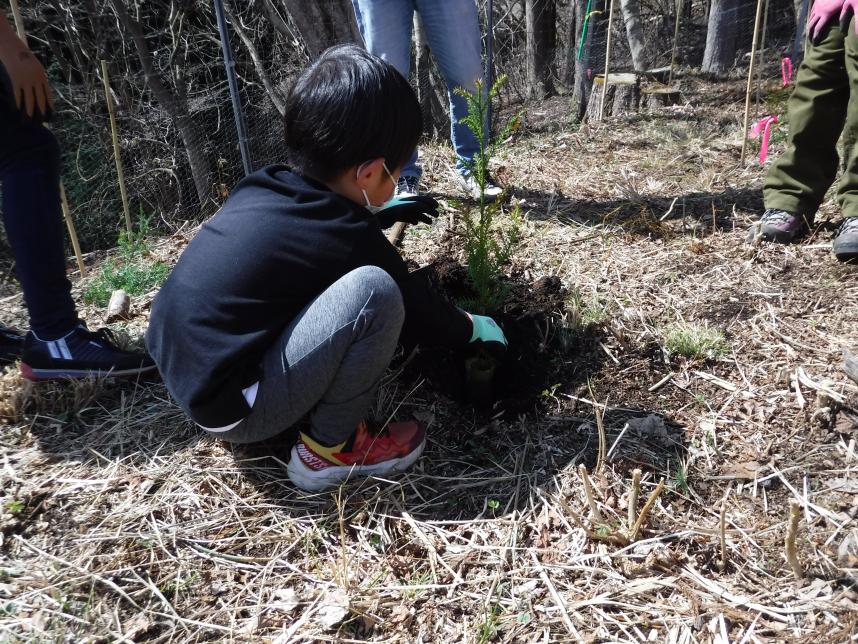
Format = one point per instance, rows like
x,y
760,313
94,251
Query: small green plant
x,y
488,630
15,507
680,480
488,246
586,311
695,341
131,271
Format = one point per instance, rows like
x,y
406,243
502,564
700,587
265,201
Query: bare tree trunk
x,y
173,104
583,80
631,11
540,16
323,24
720,51
574,24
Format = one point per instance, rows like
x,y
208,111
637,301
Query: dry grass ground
x,y
120,522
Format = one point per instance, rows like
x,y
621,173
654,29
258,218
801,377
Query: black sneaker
x,y
407,187
11,345
779,226
79,354
846,240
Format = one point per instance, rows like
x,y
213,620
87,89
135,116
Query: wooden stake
x,y
750,81
19,22
120,173
22,34
607,62
678,5
72,232
397,230
789,543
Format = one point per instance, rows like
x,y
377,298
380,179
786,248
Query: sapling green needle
x,y
488,247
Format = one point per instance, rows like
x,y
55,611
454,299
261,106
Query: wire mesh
x,y
176,126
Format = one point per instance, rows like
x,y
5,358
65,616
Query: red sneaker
x,y
314,467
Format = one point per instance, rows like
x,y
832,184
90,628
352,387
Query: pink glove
x,y
824,11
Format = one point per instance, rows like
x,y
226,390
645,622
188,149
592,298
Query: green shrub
x,y
131,271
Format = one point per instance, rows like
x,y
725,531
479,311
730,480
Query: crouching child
x,y
290,301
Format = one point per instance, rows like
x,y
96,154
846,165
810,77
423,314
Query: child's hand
x,y
488,334
411,210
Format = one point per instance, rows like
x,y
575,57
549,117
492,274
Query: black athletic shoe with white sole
x,y
79,354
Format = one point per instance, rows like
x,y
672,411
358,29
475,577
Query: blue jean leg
x,y
386,26
30,175
453,31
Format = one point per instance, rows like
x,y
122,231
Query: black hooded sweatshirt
x,y
278,242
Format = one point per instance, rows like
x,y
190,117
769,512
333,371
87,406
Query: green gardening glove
x,y
488,335
416,209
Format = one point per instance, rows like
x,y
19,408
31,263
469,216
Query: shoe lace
x,y
776,217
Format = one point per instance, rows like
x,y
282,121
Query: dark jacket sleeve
x,y
430,318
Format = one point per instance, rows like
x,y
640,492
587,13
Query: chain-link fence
x,y
175,120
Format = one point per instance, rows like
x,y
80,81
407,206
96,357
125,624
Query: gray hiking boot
x,y
846,240
778,226
407,187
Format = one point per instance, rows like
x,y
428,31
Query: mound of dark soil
x,y
539,355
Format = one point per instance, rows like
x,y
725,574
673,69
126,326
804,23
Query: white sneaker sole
x,y
317,480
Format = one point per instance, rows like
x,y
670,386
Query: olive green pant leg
x,y
847,190
798,179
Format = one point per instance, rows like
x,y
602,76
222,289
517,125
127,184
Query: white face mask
x,y
369,206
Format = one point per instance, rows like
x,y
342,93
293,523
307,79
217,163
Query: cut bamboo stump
x,y
622,95
658,96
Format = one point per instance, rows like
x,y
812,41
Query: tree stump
x,y
659,96
622,95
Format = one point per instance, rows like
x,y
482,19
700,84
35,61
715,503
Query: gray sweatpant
x,y
328,362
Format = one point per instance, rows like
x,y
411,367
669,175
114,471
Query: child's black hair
x,y
346,108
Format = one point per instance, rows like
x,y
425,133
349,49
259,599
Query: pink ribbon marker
x,y
764,127
786,70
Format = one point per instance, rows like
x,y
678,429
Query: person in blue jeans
x,y
453,32
58,345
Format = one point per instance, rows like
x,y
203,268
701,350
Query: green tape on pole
x,y
584,29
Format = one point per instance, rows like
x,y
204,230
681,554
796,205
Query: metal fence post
x,y
490,67
229,64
